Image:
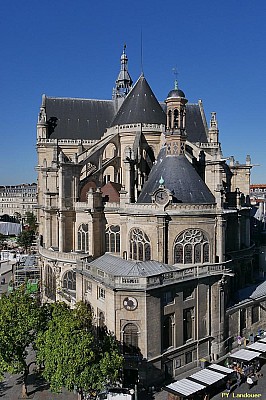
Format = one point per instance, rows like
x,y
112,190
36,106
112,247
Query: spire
x,y
42,117
213,130
124,81
176,81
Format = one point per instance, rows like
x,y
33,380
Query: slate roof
x,y
117,266
79,118
88,119
140,106
195,128
180,178
253,292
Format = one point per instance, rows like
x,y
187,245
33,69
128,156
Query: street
x,y
38,389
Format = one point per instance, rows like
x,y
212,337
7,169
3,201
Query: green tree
x,y
25,239
75,354
21,318
31,221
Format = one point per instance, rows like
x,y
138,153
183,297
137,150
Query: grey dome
x,y
176,93
180,177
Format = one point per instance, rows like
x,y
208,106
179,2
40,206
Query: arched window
x,y
101,320
83,237
169,119
139,243
69,280
168,332
176,118
188,324
109,174
130,339
50,283
112,239
191,247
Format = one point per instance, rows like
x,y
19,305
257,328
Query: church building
x,y
141,217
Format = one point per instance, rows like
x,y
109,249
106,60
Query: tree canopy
x,y
75,354
25,239
20,319
31,221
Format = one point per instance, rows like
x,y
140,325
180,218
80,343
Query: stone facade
x,y
145,221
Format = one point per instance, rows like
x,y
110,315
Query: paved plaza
x,y
10,389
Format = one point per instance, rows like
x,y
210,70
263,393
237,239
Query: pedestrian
x,y
257,366
249,382
251,338
238,379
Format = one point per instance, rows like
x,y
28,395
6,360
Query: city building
x,y
17,200
258,193
141,217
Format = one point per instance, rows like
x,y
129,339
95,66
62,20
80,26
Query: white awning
x,y
258,346
221,368
207,376
246,355
185,387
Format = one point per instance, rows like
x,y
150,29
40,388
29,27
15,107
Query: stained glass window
x,y
69,280
191,247
83,237
112,239
140,248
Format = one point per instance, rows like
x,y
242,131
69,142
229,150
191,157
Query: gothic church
x,y
142,217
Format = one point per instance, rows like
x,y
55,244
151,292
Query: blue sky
x,y
72,48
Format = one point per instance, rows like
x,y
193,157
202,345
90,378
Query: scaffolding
x,y
26,273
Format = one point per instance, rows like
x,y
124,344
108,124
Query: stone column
x,y
220,238
47,230
217,318
162,239
61,243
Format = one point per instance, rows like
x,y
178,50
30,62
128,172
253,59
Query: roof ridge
x,y
77,98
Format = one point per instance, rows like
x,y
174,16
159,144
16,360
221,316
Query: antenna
x,y
141,52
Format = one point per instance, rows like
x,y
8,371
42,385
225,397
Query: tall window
x,y
50,283
176,118
140,248
191,247
101,320
243,319
170,119
112,239
83,237
255,314
69,280
168,332
130,338
188,323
